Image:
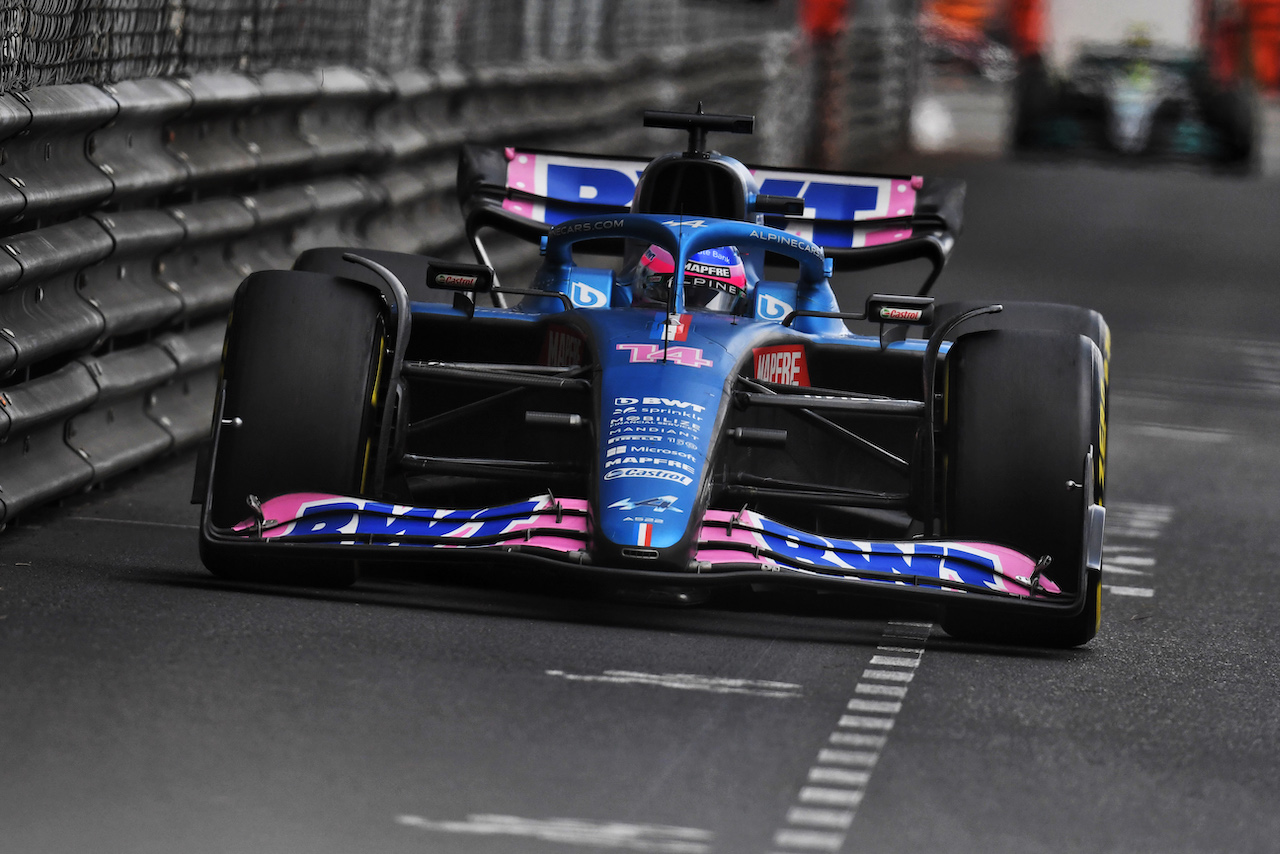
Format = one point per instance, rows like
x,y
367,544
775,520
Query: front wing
x,y
733,547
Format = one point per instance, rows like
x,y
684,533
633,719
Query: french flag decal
x,y
677,329
645,536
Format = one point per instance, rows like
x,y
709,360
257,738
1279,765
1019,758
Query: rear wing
x,y
860,220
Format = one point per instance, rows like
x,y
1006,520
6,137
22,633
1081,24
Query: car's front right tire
x,y
302,374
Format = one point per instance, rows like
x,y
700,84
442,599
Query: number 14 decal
x,y
689,357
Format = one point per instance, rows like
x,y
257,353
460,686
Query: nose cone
x,y
661,391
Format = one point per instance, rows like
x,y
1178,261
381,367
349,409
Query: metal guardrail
x,y
133,210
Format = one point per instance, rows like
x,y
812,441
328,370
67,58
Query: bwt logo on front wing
x,y
784,364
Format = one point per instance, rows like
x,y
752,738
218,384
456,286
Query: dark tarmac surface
x,y
147,707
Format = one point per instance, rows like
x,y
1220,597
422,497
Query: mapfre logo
x,y
562,348
784,364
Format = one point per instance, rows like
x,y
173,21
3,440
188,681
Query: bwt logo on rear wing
x,y
552,187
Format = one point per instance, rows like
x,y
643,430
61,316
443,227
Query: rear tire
x,y
1023,411
301,371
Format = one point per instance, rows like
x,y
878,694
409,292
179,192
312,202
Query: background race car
x,y
1136,101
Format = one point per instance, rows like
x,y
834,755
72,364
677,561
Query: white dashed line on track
x,y
1183,434
134,522
826,806
658,838
687,682
1130,530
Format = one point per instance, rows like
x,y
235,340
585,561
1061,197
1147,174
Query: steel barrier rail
x,y
131,149
47,159
134,210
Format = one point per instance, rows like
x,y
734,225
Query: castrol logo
x,y
911,315
456,280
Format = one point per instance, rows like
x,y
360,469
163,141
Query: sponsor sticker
x,y
783,364
689,357
657,474
891,312
667,402
772,308
562,348
581,227
586,296
456,280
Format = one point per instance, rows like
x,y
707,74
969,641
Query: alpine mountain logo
x,y
657,505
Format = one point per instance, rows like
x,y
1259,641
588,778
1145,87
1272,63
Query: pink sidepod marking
x,y
522,170
881,236
902,197
516,207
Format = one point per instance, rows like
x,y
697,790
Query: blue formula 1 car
x,y
675,402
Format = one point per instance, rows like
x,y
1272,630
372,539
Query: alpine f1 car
x,y
1136,101
675,401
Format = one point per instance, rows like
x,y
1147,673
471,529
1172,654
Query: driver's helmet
x,y
714,279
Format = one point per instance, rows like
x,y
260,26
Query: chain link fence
x,y
105,41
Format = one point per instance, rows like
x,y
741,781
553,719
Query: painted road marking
x,y
1120,590
865,758
1130,521
1185,434
660,838
891,707
818,817
1139,521
831,797
888,675
840,776
809,840
857,739
146,522
687,682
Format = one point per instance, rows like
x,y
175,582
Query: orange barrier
x,y
971,14
1028,26
1263,20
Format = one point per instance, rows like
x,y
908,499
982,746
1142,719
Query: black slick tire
x,y
1056,317
1023,413
301,372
